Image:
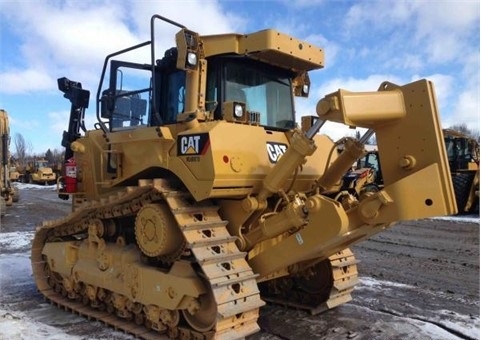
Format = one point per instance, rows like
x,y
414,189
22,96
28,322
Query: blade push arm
x,y
410,143
415,170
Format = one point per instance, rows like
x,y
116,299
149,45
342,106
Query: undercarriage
x,y
108,262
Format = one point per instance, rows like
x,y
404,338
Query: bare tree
x,y
358,135
463,128
49,157
58,155
22,149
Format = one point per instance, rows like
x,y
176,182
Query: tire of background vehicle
x,y
462,185
9,202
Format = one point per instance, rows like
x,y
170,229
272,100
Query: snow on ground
x,y
15,240
13,269
460,218
17,325
22,186
40,320
467,325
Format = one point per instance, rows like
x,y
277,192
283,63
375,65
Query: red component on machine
x,y
70,176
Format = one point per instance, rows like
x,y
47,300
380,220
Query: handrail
x,y
102,125
152,53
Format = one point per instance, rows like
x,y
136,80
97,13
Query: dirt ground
x,y
418,280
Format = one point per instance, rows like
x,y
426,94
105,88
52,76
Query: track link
x,y
318,288
232,280
220,264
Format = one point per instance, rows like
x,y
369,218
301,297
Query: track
x,y
234,295
230,308
318,288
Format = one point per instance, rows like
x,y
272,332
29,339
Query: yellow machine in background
x,y
197,197
8,193
463,157
37,171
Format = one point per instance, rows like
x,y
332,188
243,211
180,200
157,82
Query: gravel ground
x,y
418,280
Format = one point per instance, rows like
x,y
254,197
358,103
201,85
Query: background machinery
x,y
14,174
182,224
8,193
364,177
463,156
37,170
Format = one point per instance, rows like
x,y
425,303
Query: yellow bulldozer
x,y
196,197
37,170
8,193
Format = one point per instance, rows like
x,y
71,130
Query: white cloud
x,y
410,61
63,39
59,121
331,48
466,110
72,33
370,83
380,14
447,16
204,17
421,28
73,38
304,4
21,81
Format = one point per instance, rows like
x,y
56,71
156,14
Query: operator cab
x,y
249,92
245,79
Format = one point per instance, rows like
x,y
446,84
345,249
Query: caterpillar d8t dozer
x,y
196,197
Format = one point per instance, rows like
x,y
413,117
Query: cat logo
x,y
191,145
275,151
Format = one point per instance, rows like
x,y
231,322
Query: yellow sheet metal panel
x,y
270,46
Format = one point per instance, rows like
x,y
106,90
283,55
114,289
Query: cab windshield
x,y
264,89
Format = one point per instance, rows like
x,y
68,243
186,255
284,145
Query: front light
x,y
191,59
305,89
238,111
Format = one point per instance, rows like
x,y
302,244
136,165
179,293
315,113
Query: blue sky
x,y
366,42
